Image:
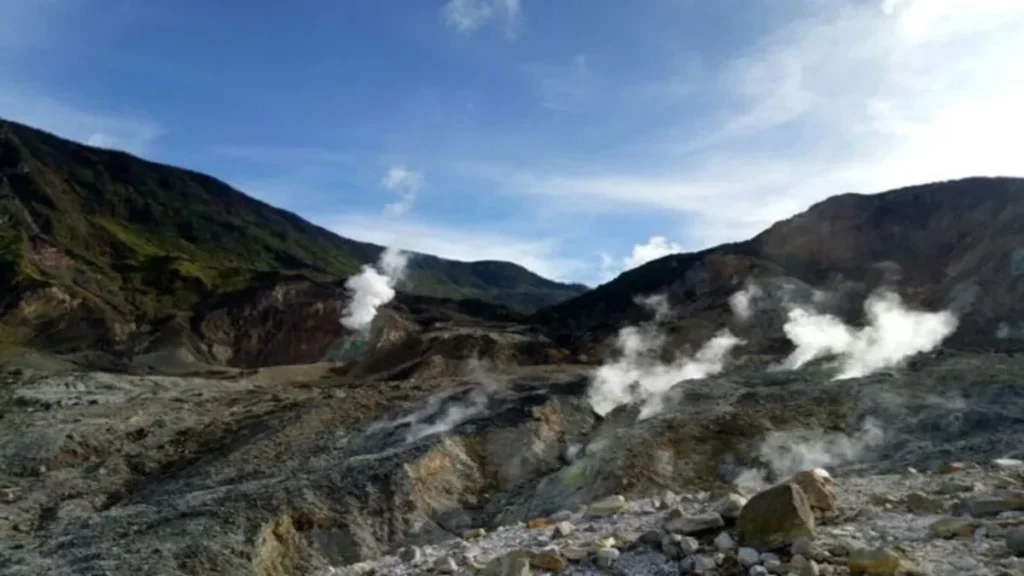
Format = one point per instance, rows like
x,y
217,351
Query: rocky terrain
x,y
304,469
196,383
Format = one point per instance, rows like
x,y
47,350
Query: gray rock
x,y
803,566
651,539
730,506
724,542
679,522
758,570
446,565
1015,541
703,564
607,507
410,554
561,516
563,529
607,556
748,557
775,518
921,503
689,545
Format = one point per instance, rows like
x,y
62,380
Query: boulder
x,y
776,518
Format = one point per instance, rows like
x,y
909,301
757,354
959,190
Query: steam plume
x,y
373,288
638,375
894,333
742,302
789,451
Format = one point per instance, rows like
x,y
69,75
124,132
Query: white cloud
x,y
858,97
407,183
466,16
656,247
457,243
129,133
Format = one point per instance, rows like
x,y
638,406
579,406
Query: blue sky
x,y
576,137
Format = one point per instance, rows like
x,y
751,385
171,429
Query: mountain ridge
x,y
135,241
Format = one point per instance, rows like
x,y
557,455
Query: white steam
x,y
373,288
790,451
445,411
742,302
893,334
638,374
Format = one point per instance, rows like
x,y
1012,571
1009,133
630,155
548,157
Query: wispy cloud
x,y
457,242
467,16
407,183
131,133
855,97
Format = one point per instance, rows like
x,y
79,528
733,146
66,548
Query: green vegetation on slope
x,y
157,239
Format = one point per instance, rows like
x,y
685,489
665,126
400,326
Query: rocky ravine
x,y
295,470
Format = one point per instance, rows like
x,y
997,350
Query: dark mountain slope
x,y
97,237
956,244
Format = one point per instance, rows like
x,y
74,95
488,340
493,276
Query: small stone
x,y
775,518
703,564
689,545
607,507
1015,541
561,516
515,563
607,556
909,471
686,565
771,562
875,561
883,499
954,467
410,554
474,534
724,542
678,522
921,503
730,506
1008,463
575,554
804,567
538,523
758,570
990,506
563,529
748,556
446,565
651,539
668,499
953,526
549,560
